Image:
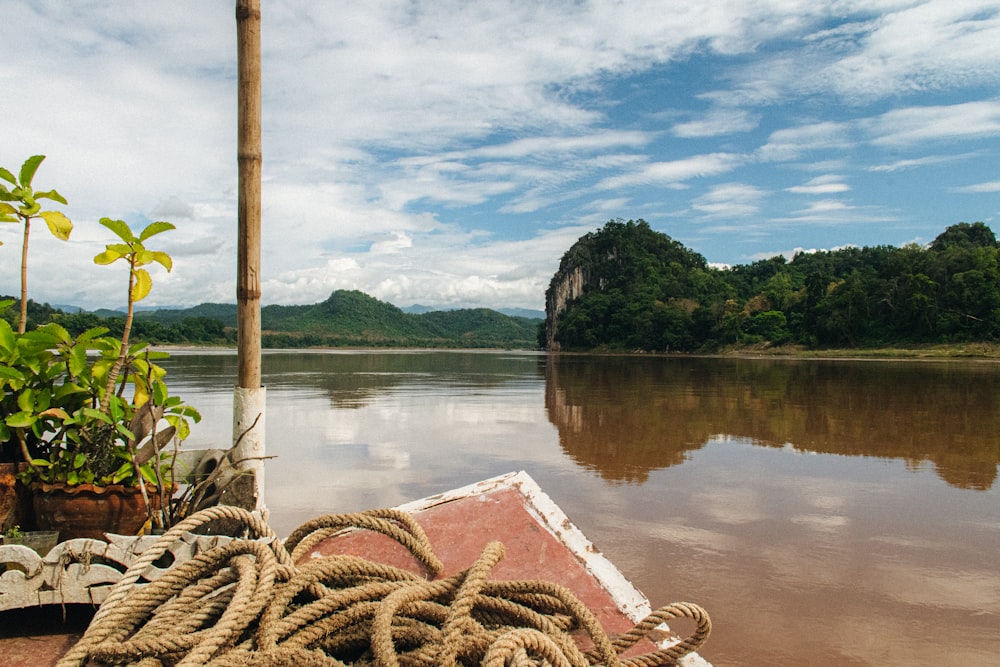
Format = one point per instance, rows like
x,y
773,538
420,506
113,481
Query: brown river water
x,y
824,512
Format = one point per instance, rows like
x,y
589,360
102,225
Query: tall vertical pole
x,y
249,398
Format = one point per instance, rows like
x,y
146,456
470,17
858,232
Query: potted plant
x,y
93,415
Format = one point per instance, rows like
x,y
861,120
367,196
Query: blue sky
x,y
448,153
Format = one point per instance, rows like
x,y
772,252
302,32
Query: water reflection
x,y
858,555
355,378
626,416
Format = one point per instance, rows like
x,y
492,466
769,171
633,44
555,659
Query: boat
x,y
539,540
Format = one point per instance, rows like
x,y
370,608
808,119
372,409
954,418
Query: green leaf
x,y
107,257
72,478
26,400
51,194
164,259
79,460
154,228
136,348
59,224
183,429
148,474
121,228
7,176
143,284
92,333
7,340
116,409
123,473
29,168
20,420
8,210
57,331
78,359
93,413
124,431
159,393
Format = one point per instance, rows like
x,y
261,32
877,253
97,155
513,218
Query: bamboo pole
x,y
249,396
249,155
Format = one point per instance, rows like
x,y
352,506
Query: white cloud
x,y
792,143
729,200
989,186
915,125
927,160
400,137
716,123
821,185
930,46
674,172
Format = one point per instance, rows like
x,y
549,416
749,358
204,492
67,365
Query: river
x,y
823,512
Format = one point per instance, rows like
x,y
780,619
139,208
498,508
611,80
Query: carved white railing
x,y
82,571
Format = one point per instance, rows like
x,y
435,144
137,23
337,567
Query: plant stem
x,y
109,386
24,275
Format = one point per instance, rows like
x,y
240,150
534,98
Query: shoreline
x,y
981,352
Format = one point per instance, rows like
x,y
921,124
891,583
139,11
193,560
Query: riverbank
x,y
944,351
949,351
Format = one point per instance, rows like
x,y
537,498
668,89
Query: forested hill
x,y
346,318
628,287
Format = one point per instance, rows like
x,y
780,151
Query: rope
x,y
245,604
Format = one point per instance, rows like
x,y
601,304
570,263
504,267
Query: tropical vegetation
x,y
646,291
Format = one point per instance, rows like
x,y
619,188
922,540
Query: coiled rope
x,y
246,603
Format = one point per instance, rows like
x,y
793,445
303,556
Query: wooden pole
x,y
249,396
249,157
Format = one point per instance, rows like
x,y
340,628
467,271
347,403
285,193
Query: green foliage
x,y
20,203
53,386
134,252
88,408
645,292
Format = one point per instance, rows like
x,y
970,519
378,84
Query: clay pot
x,y
15,499
85,510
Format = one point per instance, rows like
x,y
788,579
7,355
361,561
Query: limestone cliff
x,y
568,284
634,267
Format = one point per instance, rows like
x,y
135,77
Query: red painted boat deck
x,y
540,543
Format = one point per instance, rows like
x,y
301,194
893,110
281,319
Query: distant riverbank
x,y
972,351
954,351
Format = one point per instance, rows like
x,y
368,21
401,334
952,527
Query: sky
x,y
448,153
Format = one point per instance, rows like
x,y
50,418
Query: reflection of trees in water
x,y
624,416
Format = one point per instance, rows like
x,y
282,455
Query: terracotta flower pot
x,y
15,499
85,510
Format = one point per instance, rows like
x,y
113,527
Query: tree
x,y
966,236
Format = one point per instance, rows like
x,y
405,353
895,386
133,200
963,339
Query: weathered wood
x,y
249,158
249,397
82,571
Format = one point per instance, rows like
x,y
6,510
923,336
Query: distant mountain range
x,y
346,318
415,309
